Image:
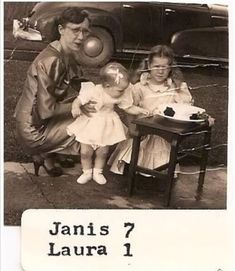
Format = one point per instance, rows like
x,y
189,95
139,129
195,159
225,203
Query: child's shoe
x,y
98,176
175,175
85,177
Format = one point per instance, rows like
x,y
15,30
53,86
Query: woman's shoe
x,y
36,167
40,162
67,163
64,161
52,172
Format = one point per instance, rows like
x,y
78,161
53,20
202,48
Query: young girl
x,y
158,85
104,127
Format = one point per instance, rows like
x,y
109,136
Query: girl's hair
x,y
112,73
161,51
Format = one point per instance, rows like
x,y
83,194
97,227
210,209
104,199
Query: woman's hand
x,y
88,108
76,108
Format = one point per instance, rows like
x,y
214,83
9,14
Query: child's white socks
x,y
85,177
98,176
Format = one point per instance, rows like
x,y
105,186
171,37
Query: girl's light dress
x,y
104,127
154,150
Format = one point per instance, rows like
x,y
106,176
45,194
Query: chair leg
x,y
204,158
171,170
133,164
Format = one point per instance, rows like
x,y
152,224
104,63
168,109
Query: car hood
x,y
51,9
43,16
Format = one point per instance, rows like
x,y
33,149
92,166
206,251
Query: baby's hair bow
x,y
118,75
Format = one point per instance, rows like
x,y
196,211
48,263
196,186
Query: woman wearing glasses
x,y
44,109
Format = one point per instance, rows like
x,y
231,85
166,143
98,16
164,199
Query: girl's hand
x,y
155,111
144,112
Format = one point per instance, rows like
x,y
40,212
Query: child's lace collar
x,y
145,81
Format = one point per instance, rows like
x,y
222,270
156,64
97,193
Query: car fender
x,y
209,42
111,24
107,19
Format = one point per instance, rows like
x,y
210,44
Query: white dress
x,y
104,127
154,150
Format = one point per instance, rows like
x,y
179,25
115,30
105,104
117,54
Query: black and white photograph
x,y
115,106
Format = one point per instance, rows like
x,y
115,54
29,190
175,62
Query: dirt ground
x,y
23,190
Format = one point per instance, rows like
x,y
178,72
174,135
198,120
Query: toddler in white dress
x,y
104,127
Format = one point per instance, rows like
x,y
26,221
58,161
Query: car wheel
x,y
97,48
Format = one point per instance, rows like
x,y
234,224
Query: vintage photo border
x,y
14,236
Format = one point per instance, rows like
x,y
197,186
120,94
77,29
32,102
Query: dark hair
x,y
73,15
109,78
68,15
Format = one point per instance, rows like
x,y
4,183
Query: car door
x,y
141,26
178,17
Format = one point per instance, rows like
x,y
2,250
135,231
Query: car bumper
x,y
28,34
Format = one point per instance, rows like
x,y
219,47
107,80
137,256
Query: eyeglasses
x,y
159,67
79,30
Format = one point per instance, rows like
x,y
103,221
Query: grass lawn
x,y
213,98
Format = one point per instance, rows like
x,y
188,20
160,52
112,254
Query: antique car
x,y
195,31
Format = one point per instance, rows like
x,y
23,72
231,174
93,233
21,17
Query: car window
x,y
182,17
141,26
